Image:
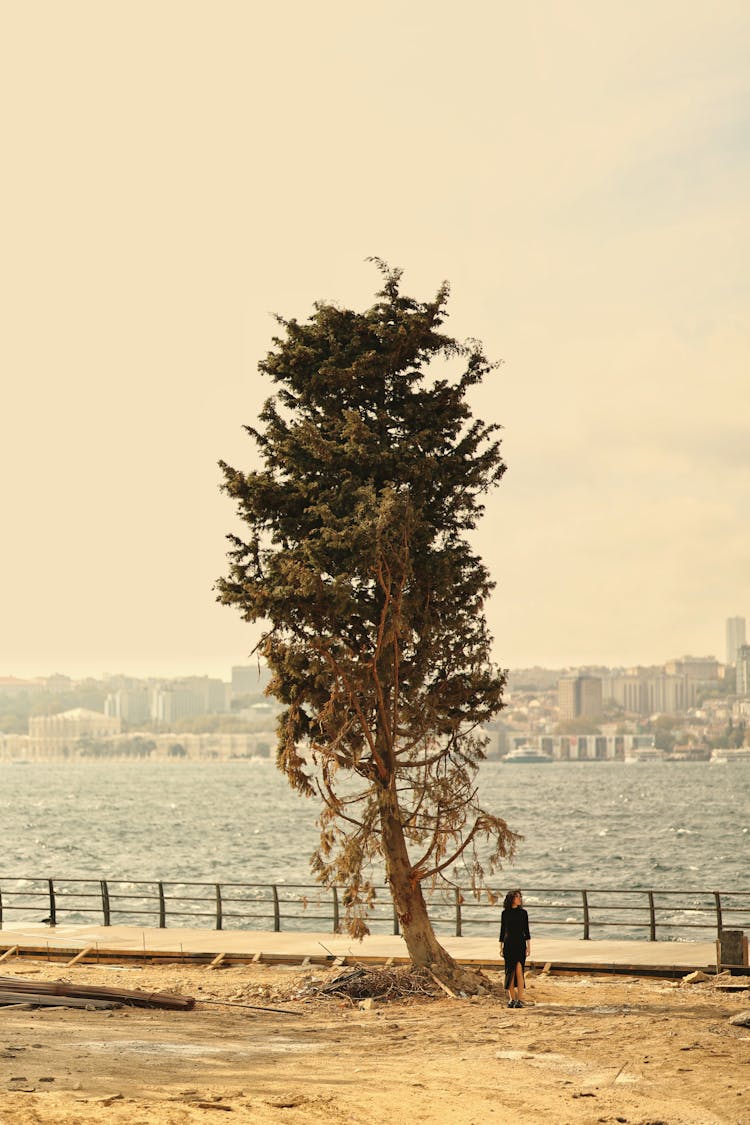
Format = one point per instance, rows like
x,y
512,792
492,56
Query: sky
x,y
178,172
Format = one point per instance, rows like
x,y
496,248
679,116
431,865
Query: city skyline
x,y
139,667
227,672
579,175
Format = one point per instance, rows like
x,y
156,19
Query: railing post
x,y
1,908
105,902
8,899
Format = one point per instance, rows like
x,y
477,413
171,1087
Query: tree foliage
x,y
357,560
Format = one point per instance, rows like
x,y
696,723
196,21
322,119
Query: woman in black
x,y
515,943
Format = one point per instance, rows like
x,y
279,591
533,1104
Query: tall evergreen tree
x,y
356,559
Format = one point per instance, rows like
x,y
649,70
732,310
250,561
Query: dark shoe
x,y
511,1003
519,1004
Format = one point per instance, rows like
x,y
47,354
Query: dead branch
x,y
380,984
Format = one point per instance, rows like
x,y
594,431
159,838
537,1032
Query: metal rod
x,y
254,1007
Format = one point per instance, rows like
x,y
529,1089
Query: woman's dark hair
x,y
508,903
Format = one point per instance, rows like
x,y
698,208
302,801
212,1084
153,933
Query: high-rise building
x,y
591,696
629,691
645,693
743,672
249,679
567,697
735,637
128,704
184,699
579,697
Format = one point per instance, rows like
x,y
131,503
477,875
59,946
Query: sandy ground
x,y
592,1050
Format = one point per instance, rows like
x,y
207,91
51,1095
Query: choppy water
x,y
669,826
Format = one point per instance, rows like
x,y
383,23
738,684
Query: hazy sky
x,y
174,172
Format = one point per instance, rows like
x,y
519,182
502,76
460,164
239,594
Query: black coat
x,y
514,927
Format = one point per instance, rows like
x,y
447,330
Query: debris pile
x,y
378,984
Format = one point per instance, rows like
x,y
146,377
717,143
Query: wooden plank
x,y
80,956
9,952
136,997
217,961
45,1000
167,956
448,991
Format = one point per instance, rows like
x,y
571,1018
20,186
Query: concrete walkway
x,y
321,947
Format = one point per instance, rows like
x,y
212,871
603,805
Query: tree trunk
x,y
424,949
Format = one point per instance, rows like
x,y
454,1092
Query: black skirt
x,y
514,953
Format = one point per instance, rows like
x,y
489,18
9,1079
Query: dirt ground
x,y
586,1050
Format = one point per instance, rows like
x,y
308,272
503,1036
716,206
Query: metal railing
x,y
576,912
570,911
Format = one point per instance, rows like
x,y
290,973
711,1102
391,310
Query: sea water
x,y
652,825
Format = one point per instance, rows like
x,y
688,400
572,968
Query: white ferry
x,y
527,755
725,754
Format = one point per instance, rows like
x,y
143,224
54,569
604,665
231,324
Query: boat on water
x,y
725,754
527,755
688,754
644,754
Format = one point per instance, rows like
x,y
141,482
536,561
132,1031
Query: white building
x,y
215,745
14,747
585,747
694,667
59,735
648,694
130,704
184,699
